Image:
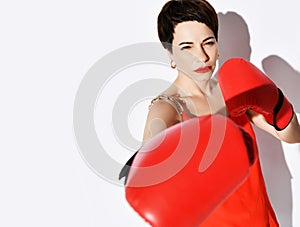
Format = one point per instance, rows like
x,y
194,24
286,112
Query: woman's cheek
x,y
185,65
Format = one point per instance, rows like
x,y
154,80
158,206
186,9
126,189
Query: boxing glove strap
x,y
125,170
282,105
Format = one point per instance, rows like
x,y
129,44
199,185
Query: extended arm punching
x,y
182,174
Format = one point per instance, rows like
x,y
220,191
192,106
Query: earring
x,y
173,64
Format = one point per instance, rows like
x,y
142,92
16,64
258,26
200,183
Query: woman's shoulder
x,y
163,113
169,99
166,105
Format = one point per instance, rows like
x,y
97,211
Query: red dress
x,y
249,205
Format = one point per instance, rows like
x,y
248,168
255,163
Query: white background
x,y
46,49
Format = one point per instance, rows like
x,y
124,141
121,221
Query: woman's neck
x,y
191,87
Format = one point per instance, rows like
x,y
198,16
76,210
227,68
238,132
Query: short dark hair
x,y
177,11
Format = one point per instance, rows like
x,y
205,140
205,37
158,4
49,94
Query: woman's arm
x,y
291,134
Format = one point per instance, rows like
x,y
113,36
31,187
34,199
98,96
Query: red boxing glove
x,y
245,87
182,174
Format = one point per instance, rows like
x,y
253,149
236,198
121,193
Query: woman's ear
x,y
172,62
171,56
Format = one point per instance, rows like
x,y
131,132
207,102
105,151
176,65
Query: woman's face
x,y
195,50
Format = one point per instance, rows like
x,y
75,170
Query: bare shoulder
x,y
162,114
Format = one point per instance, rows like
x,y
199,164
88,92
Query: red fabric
x,y
249,205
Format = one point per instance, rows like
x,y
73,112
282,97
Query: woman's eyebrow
x,y
185,43
210,37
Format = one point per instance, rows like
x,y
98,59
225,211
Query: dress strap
x,y
172,100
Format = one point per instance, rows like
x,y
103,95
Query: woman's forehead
x,y
190,30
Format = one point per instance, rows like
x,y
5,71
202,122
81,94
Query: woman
x,y
188,30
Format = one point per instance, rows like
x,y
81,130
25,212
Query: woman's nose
x,y
201,54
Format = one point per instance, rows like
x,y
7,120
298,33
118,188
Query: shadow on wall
x,y
234,41
286,78
234,37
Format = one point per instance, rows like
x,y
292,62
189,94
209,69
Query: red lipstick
x,y
203,69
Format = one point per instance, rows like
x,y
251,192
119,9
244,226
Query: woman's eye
x,y
210,43
185,47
